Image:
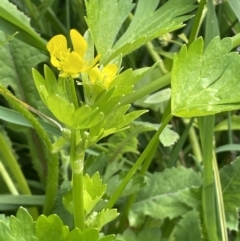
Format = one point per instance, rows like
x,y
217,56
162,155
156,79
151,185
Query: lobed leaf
x,y
148,24
112,21
174,197
22,226
202,79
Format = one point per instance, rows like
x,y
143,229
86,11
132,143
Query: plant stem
x,y
156,84
52,175
138,163
236,40
206,126
156,57
8,180
195,144
220,203
77,163
178,146
196,23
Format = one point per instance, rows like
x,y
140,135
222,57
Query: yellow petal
x,y
94,74
72,64
109,73
79,43
110,70
57,46
55,62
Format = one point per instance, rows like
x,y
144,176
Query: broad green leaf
x,y
189,227
148,24
230,180
111,20
205,82
15,72
12,20
51,228
22,226
168,194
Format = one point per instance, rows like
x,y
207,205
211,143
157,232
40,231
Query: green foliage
x,y
230,180
110,171
146,24
20,227
144,234
208,84
171,199
12,20
189,227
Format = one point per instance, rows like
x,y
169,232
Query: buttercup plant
x,y
98,179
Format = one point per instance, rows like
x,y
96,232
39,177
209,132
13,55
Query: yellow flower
x,y
105,76
69,63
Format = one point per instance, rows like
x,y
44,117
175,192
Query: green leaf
x,y
235,5
223,125
14,117
143,235
189,227
51,228
228,147
172,198
159,97
90,234
93,191
108,238
86,235
12,20
59,107
20,200
230,180
148,24
205,82
22,226
168,137
5,233
98,220
134,186
111,20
